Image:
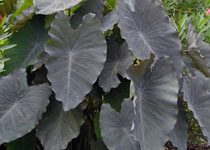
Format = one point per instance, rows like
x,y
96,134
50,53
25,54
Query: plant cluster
x,y
102,75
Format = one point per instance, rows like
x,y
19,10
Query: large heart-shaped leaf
x,y
30,43
197,94
118,61
155,91
20,106
58,128
76,58
147,29
47,7
179,134
116,128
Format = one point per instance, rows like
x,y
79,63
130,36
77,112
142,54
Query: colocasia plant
x,y
79,76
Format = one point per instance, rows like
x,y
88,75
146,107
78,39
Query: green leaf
x,y
111,4
30,43
7,7
5,47
96,125
20,20
116,96
98,145
80,52
24,6
27,142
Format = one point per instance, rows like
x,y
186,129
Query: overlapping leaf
x,y
27,142
20,106
155,90
116,127
7,7
20,20
109,20
179,134
199,51
76,58
96,7
147,29
30,43
118,61
58,128
197,94
47,7
91,6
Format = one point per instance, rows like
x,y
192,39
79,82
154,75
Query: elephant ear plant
x,y
79,76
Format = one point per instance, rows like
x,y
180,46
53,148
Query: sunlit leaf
x,y
7,7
